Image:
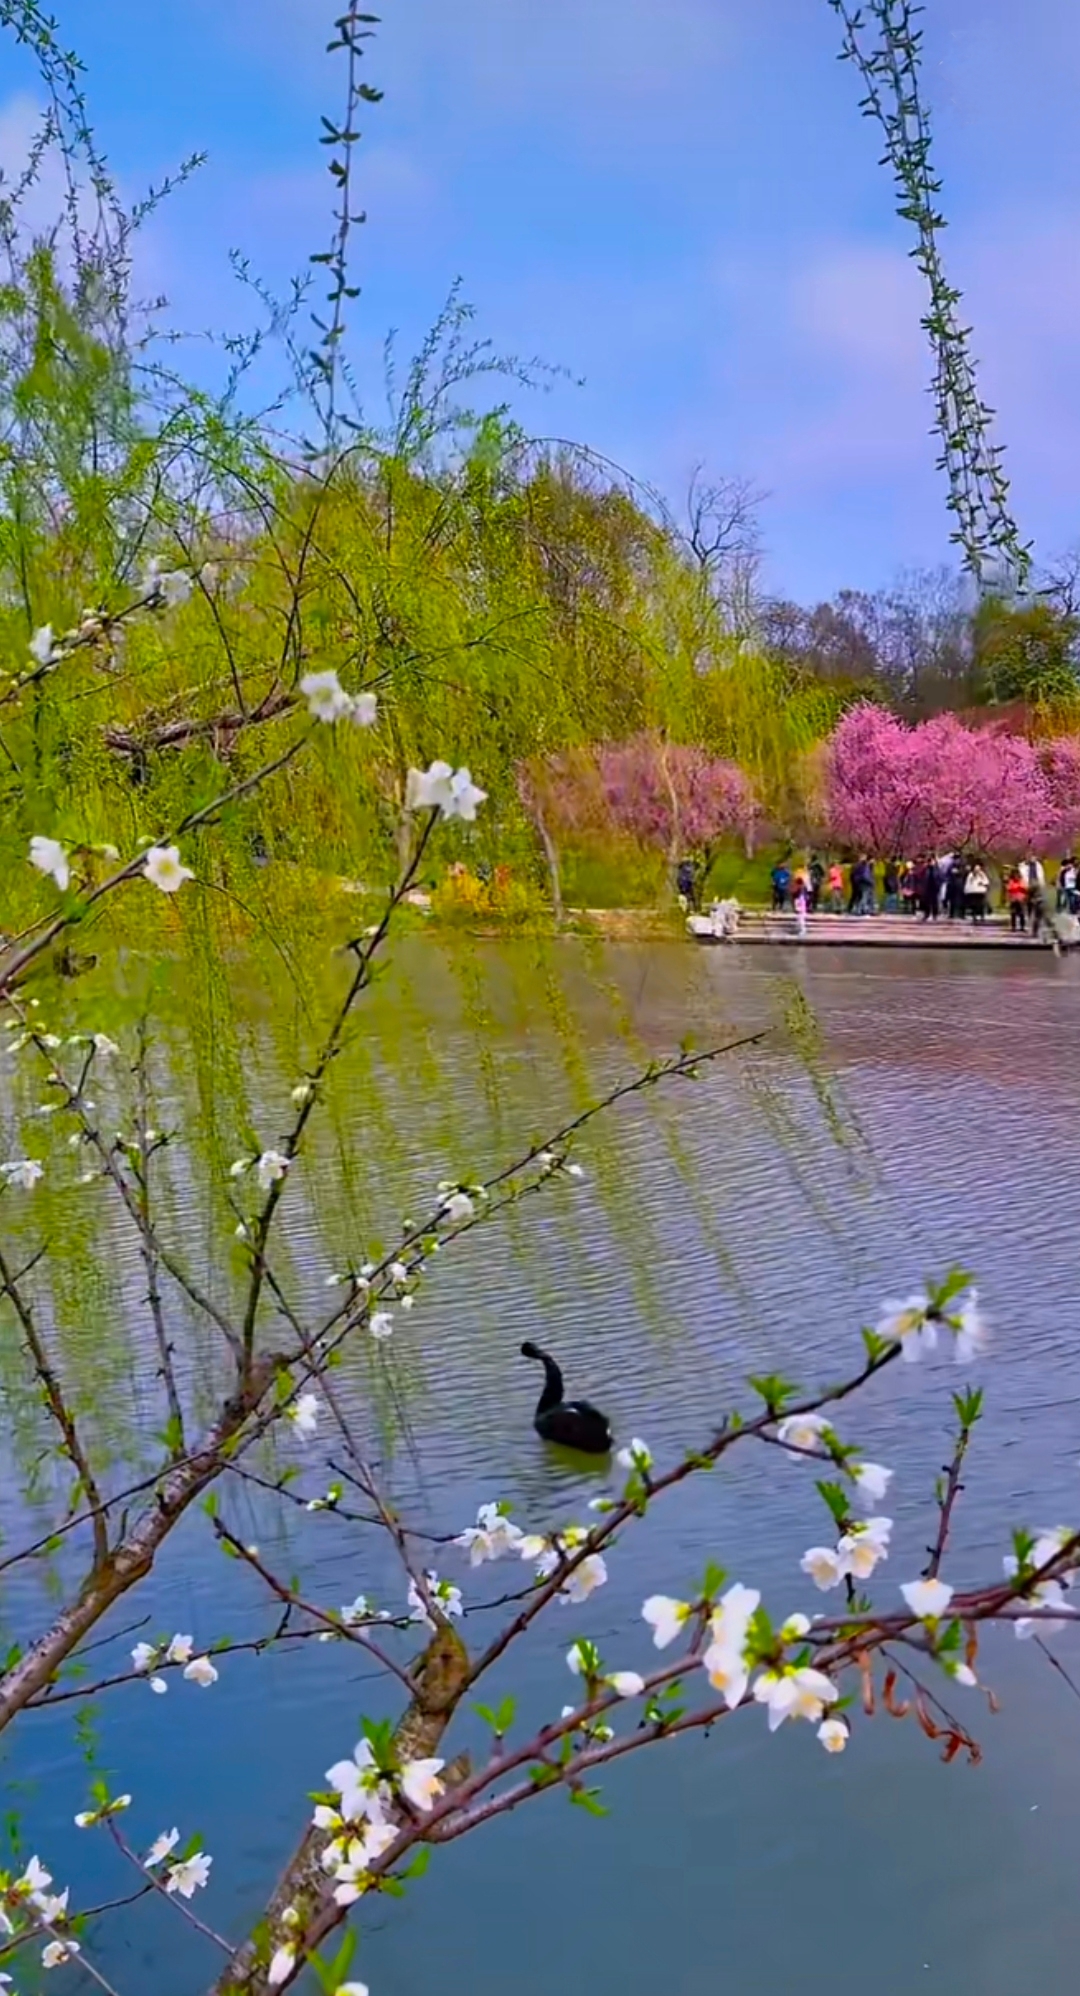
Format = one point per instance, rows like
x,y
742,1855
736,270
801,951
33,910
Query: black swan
x,y
574,1423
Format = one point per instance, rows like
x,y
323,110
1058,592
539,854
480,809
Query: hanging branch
x,y
978,488
353,30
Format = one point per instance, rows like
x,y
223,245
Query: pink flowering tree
x,y
673,797
891,789
1060,765
669,796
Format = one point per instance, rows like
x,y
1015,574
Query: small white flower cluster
x,y
355,1614
162,865
185,1875
584,1660
444,1597
167,589
914,1324
855,1556
456,1204
22,1171
328,701
49,1909
495,1536
269,1166
804,1433
451,792
360,1826
793,1691
303,1413
148,1658
159,590
1049,1594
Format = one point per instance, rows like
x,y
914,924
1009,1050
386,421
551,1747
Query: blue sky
x,y
679,202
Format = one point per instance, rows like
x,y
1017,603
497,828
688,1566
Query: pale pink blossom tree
x,y
666,795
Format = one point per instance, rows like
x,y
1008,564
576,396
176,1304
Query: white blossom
x,y
927,1598
492,1537
962,1673
802,1431
201,1671
458,1208
360,1855
35,1879
271,1166
357,1781
22,1171
871,1479
49,857
42,647
302,1093
398,1272
908,1325
794,1694
443,789
282,1963
865,1545
189,1875
825,1566
57,1952
161,1847
665,1617
445,1597
637,1456
143,1655
163,869
794,1628
833,1735
420,1782
626,1683
365,709
725,1659
52,1906
382,1324
326,697
584,1580
1048,1595
304,1415
174,587
969,1327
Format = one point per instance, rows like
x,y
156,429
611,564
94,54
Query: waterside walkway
x,y
882,932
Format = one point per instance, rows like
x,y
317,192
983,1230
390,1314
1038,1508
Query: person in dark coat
x,y
929,890
954,888
817,882
686,882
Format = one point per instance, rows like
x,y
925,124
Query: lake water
x,y
747,1243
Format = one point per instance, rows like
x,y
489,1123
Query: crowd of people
x,y
951,886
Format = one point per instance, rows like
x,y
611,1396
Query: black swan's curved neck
x,y
553,1384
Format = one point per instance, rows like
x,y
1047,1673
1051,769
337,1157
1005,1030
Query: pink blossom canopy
x,y
663,794
895,790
